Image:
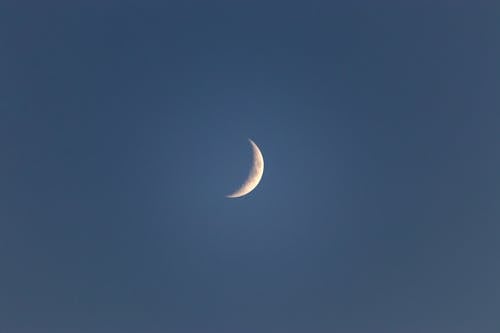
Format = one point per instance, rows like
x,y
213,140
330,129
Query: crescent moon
x,y
254,176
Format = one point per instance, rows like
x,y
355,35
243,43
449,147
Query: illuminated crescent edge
x,y
254,176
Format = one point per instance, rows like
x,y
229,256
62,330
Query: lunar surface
x,y
254,176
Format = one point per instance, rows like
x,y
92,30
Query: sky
x,y
123,126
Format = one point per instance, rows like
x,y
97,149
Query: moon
x,y
254,176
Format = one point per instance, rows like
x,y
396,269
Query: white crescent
x,y
254,176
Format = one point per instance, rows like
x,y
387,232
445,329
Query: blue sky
x,y
123,127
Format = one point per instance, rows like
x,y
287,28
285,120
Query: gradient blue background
x,y
122,127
